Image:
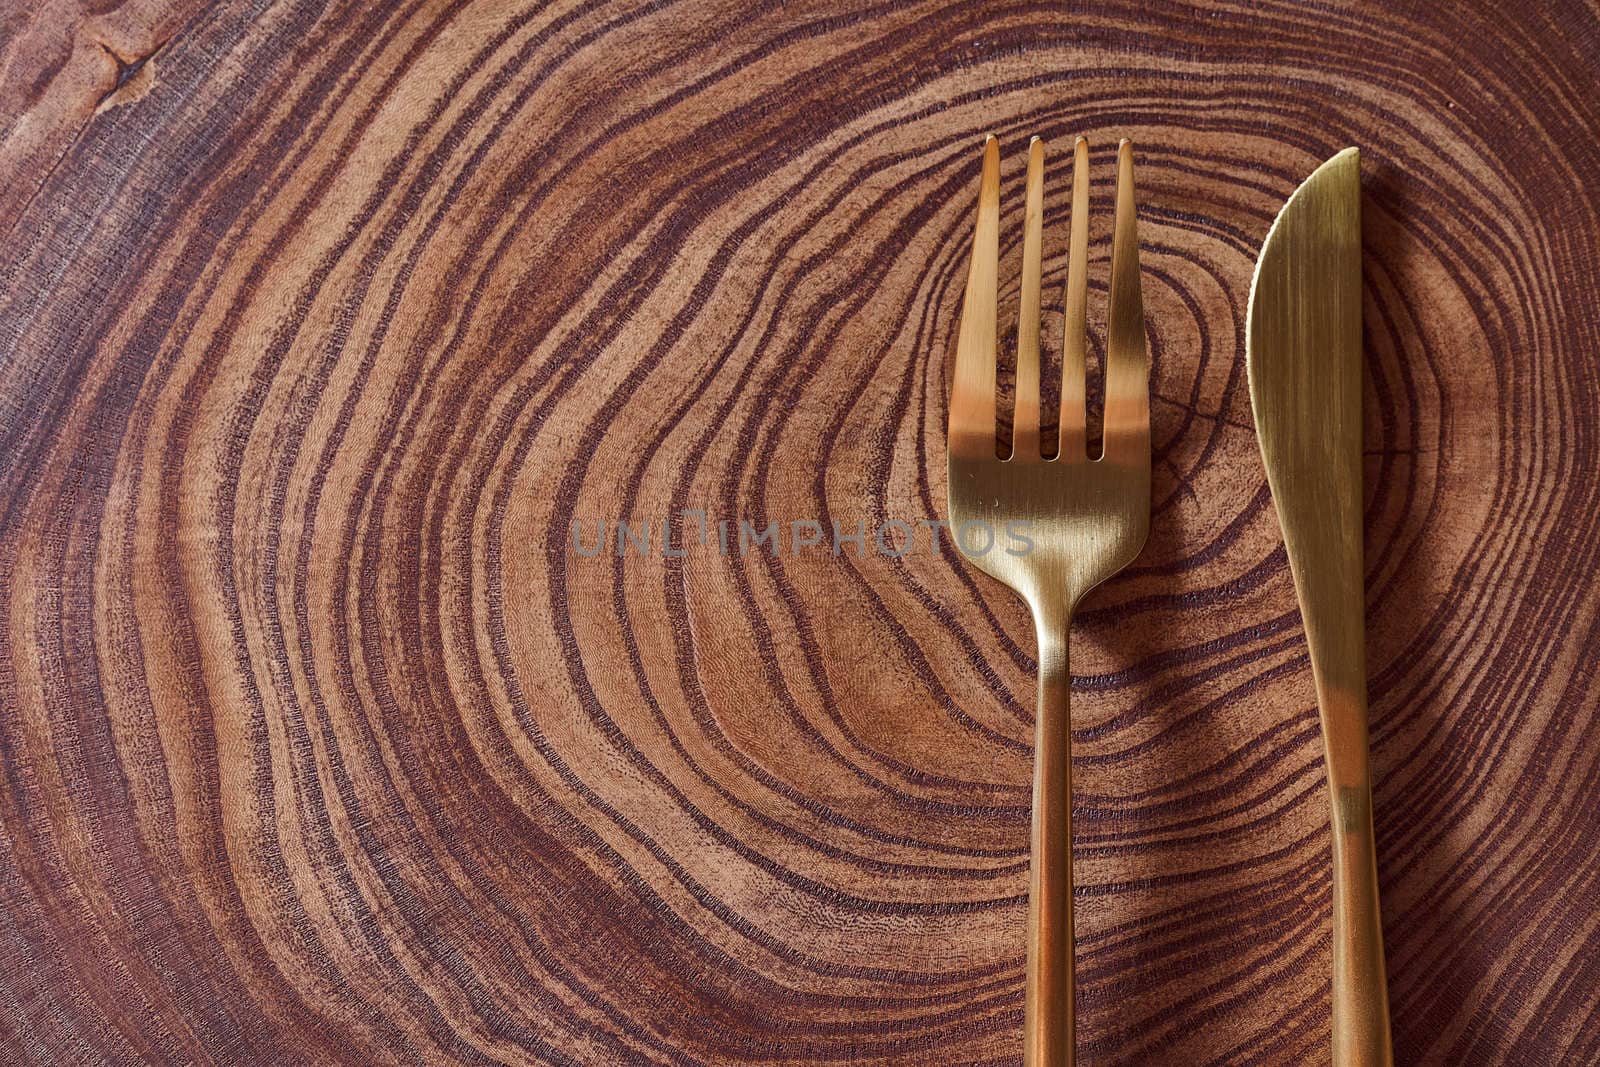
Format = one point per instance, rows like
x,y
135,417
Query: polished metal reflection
x,y
1304,356
1087,517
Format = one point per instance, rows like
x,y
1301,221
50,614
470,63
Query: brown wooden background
x,y
320,323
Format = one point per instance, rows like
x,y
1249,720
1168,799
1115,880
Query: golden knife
x,y
1303,348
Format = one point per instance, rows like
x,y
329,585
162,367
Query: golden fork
x,y
1086,518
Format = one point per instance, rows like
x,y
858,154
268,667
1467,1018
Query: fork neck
x,y
1051,624
1052,619
1051,632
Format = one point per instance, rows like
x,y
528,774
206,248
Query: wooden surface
x,y
321,323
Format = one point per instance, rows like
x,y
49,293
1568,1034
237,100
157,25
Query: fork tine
x,y
1025,423
972,396
1127,417
1073,387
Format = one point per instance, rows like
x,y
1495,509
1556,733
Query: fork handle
x,y
1048,1024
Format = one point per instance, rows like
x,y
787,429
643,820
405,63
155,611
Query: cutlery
x,y
1086,518
1303,349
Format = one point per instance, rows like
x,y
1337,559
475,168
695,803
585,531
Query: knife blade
x,y
1303,351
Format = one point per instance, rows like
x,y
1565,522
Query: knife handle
x,y
1360,987
1048,1024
